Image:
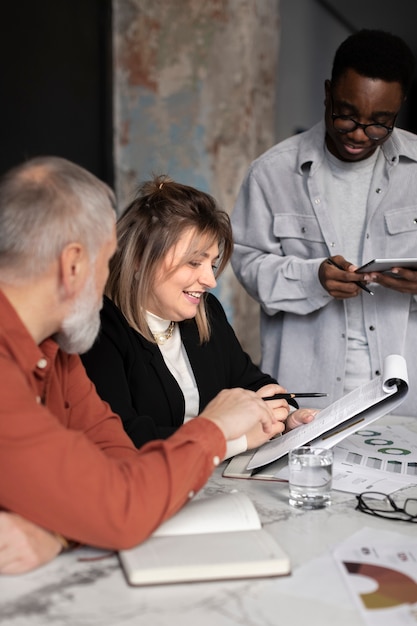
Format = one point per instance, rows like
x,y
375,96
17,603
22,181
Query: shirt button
x,y
377,373
372,328
317,201
304,229
42,363
191,494
38,399
216,460
379,190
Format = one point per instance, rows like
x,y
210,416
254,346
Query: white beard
x,y
80,328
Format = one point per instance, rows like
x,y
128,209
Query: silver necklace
x,y
162,337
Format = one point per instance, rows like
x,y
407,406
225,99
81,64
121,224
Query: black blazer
x,y
131,375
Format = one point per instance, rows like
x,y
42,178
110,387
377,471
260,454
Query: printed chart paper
x,y
380,569
376,459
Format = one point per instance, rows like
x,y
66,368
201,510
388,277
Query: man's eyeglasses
x,y
345,124
382,505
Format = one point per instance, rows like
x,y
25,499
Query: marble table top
x,y
87,587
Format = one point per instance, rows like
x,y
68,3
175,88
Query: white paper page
x,y
236,468
353,481
376,397
222,512
356,482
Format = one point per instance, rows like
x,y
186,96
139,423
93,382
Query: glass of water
x,y
310,477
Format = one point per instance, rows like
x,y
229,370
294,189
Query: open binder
x,y
343,417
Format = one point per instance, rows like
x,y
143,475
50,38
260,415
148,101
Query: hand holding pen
x,y
360,284
299,416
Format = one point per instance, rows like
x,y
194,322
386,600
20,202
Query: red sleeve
x,y
84,479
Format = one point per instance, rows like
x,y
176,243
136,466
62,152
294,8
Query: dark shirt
x,y
130,372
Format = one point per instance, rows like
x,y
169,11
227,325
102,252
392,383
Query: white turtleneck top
x,y
178,363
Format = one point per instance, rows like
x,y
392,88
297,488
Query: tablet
x,y
384,265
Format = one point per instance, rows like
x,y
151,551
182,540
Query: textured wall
x,y
195,98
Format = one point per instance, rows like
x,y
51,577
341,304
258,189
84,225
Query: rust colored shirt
x,y
65,460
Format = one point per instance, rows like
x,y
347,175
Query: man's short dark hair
x,y
375,54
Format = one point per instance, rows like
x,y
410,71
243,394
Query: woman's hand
x,y
299,417
281,407
285,420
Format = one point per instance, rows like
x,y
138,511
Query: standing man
x,y
68,471
345,189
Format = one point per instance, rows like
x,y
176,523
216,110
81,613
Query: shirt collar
x,y
19,342
155,323
401,144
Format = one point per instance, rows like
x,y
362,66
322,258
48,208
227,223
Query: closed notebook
x,y
209,539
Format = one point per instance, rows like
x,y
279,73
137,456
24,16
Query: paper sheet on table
x,y
374,459
380,570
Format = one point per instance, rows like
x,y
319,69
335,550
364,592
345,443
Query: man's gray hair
x,y
46,203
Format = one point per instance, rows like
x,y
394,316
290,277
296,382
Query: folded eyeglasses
x,y
382,505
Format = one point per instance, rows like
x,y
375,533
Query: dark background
x,y
55,82
399,18
56,74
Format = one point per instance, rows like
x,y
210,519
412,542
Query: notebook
x,y
211,538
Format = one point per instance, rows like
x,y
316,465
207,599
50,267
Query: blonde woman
x,y
166,348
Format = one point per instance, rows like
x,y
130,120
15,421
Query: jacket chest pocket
x,y
401,226
299,235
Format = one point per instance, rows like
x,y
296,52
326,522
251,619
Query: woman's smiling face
x,y
184,276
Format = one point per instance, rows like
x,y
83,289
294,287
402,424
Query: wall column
x,y
194,97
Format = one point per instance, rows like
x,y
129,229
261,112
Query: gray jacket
x,y
283,230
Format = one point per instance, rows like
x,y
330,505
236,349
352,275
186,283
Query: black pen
x,y
361,285
289,396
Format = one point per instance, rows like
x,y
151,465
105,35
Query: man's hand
x,y
398,279
23,545
340,283
237,411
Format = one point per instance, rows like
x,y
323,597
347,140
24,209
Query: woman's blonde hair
x,y
151,225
